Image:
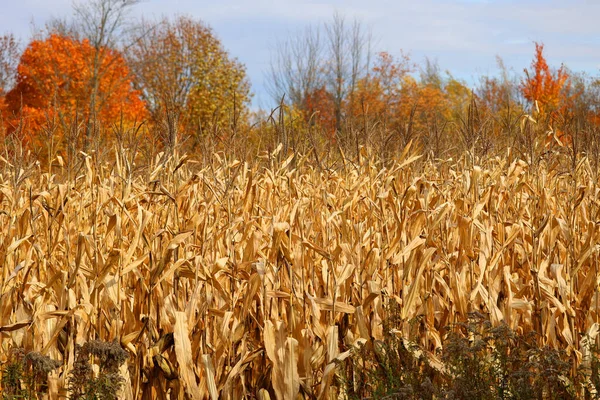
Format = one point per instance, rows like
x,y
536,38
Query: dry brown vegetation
x,y
242,280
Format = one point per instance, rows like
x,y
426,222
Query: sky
x,y
463,36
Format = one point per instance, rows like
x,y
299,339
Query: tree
x,y
541,85
53,79
349,59
378,95
9,59
102,23
421,102
297,66
319,107
458,95
187,78
332,59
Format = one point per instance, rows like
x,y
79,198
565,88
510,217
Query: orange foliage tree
x,y
54,84
542,85
319,110
377,96
549,91
421,102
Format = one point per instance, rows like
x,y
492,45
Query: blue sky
x,y
464,36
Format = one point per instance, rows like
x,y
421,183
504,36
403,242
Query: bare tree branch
x,y
9,60
334,56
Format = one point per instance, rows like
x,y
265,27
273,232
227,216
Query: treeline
x,y
101,79
335,84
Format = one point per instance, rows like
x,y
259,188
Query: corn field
x,y
237,280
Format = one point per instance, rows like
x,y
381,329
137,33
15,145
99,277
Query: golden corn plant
x,y
233,280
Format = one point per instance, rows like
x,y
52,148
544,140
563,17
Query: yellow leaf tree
x,y
188,79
